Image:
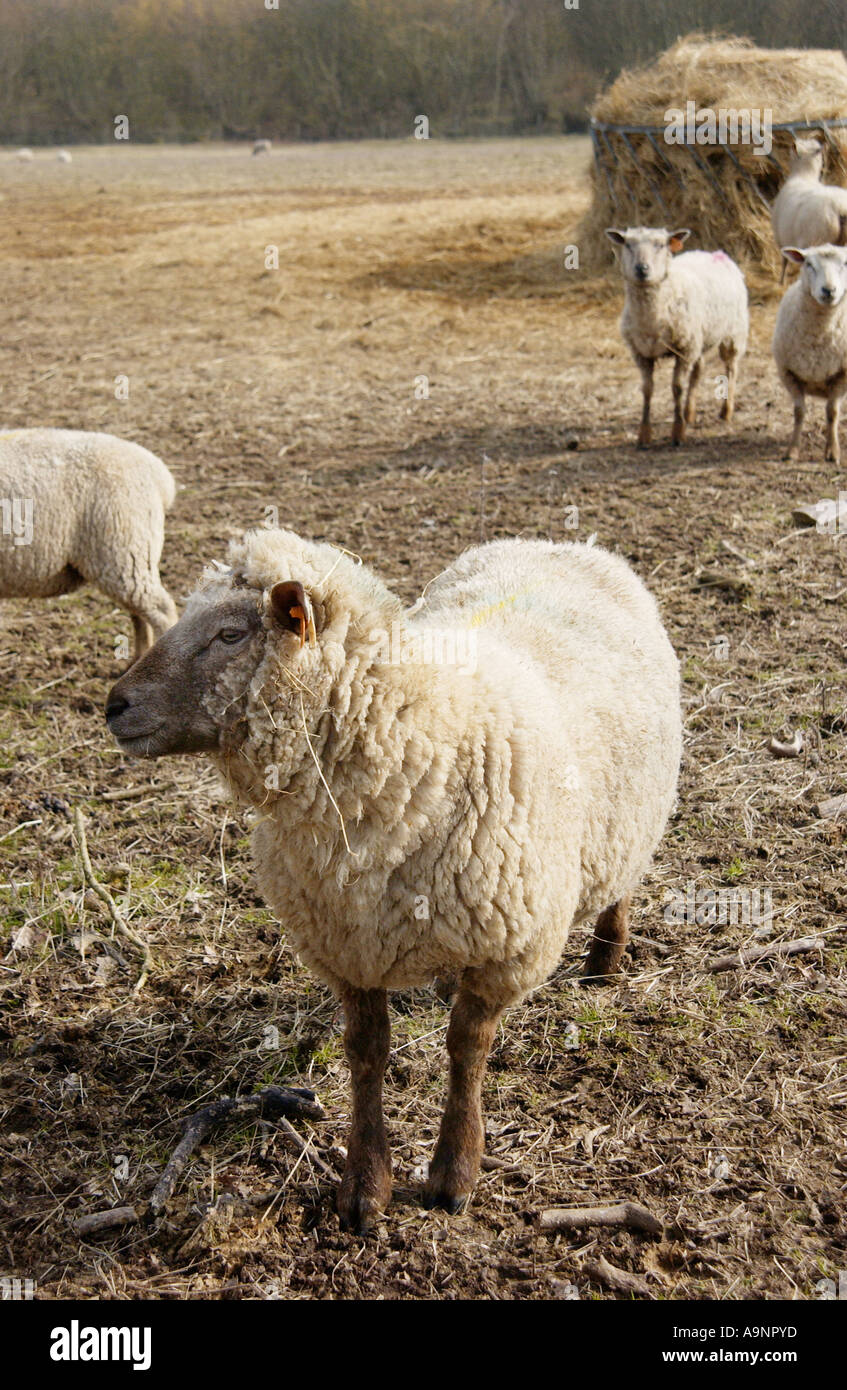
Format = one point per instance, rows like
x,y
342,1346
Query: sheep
x,y
25,156
810,338
262,147
438,793
680,306
80,507
807,212
64,157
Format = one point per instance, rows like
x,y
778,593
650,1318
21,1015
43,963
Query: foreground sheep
x,y
807,212
418,816
85,507
810,338
680,306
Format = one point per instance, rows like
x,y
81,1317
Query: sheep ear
x,y
292,610
676,240
793,253
616,238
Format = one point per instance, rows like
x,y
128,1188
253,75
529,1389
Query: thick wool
x,y
416,816
810,339
701,304
98,506
807,212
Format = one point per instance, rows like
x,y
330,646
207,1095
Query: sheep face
x,y
645,252
179,697
807,159
824,274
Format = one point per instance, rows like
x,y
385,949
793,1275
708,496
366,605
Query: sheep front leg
x,y
645,366
455,1164
691,398
833,410
797,392
608,943
366,1186
680,372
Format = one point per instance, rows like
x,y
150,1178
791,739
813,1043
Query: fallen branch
x,y
628,1214
738,959
98,1221
618,1279
105,896
831,807
268,1104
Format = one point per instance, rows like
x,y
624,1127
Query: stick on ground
x,y
98,1221
739,959
268,1104
628,1214
618,1279
105,897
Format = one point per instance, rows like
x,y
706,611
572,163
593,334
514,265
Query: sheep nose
x,y
115,707
827,292
642,270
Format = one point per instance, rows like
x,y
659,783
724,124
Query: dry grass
x,y
717,1102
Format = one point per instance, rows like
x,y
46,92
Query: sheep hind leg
x,y
365,1189
458,1153
729,357
833,410
608,943
680,370
691,397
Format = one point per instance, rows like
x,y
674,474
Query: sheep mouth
x,y
140,745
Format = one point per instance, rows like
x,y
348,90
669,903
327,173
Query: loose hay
x,y
721,191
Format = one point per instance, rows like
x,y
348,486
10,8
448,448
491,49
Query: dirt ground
x,y
715,1099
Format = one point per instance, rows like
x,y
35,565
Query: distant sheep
x,y
64,157
810,338
82,508
441,792
262,147
807,212
680,306
25,156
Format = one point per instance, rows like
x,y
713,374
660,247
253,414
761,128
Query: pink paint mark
x,y
719,256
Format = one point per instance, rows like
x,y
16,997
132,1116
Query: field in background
x,y
717,1100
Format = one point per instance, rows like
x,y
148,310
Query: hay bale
x,y
721,191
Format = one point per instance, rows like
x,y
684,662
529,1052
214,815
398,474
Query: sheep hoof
x,y
358,1211
445,1200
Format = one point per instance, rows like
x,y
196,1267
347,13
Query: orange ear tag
x,y
297,612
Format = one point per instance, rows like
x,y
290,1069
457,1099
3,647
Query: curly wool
x,y
416,816
699,305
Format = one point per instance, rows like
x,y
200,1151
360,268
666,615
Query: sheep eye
x,y
231,635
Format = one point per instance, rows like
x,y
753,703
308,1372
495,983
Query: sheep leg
x,y
680,371
458,1153
366,1186
608,943
797,392
645,366
833,410
691,398
143,635
730,361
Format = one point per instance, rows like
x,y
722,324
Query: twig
x,y
131,793
831,807
99,1221
613,1278
304,1147
738,959
628,1214
269,1103
105,897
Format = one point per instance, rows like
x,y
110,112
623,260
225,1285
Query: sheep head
x,y
824,272
807,160
645,252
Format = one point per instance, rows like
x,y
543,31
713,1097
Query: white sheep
x,y
441,792
80,507
680,306
810,338
262,147
807,212
25,156
64,157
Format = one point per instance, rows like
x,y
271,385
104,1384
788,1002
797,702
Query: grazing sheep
x,y
80,507
262,147
807,212
680,306
64,157
810,338
25,156
441,792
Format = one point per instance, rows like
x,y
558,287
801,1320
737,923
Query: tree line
x,y
343,69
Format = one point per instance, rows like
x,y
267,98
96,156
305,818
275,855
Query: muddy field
x,y
715,1099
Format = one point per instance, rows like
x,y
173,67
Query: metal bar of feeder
x,y
641,170
600,163
746,177
615,159
662,155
